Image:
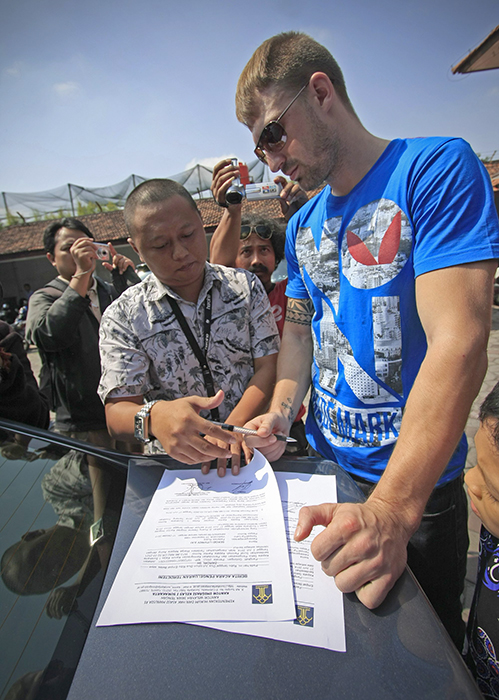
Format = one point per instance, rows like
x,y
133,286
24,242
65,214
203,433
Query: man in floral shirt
x,y
146,354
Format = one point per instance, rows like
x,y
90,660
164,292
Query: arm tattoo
x,y
300,311
287,405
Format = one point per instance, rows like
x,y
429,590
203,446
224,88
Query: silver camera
x,y
252,192
102,250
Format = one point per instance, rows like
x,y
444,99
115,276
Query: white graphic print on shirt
x,y
374,249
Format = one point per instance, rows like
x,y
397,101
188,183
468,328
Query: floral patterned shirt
x,y
144,351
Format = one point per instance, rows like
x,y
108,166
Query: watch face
x,y
140,424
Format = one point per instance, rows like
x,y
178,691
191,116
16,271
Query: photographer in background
x,y
256,243
63,322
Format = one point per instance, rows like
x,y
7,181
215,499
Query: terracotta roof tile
x,y
27,239
110,226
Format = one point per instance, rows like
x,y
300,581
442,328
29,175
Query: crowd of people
x,y
384,317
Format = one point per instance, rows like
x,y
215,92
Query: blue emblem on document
x,y
304,616
261,595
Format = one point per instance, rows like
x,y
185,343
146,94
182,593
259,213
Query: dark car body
x,y
399,650
45,616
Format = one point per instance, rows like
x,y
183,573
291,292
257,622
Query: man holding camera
x,y
390,274
63,322
238,243
256,243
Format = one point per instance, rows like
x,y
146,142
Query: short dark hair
x,y
286,61
489,411
53,229
278,238
150,192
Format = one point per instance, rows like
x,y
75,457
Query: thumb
x,y
264,424
207,402
310,516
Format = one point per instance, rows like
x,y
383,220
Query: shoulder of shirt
x,y
57,284
415,148
234,281
486,535
229,274
439,156
426,146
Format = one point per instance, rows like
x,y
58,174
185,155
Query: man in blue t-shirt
x,y
390,285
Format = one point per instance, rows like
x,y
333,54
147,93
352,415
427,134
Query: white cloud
x,y
14,70
68,88
208,162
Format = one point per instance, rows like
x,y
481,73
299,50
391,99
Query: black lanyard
x,y
202,357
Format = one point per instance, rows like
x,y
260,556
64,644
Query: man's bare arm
x,y
176,424
293,379
254,400
224,244
364,546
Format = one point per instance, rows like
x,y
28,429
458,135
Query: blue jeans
x,y
437,553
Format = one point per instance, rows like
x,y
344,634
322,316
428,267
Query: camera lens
x,y
233,196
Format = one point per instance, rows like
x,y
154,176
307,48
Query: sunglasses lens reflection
x,y
262,231
261,155
272,139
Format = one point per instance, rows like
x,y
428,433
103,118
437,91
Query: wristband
x,y
80,274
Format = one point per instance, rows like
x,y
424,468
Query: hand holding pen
x,y
248,432
269,434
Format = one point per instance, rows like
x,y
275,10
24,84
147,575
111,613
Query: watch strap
x,y
143,413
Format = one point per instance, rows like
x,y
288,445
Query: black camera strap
x,y
202,356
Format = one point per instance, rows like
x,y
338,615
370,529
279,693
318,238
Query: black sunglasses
x,y
274,136
262,231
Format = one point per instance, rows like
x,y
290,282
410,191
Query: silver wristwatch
x,y
141,430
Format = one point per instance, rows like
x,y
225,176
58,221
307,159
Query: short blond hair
x,y
285,61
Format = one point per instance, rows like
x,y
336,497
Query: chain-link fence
x,y
74,200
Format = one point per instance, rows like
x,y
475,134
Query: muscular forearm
x,y
434,419
120,417
364,546
255,399
224,244
176,424
455,309
293,372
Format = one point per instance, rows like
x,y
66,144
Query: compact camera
x,y
242,188
102,250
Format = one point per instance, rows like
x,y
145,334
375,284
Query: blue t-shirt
x,y
426,204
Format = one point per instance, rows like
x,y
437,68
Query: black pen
x,y
247,431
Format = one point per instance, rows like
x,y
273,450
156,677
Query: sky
x,y
94,91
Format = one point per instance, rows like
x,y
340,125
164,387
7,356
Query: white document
x,y
208,548
319,604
